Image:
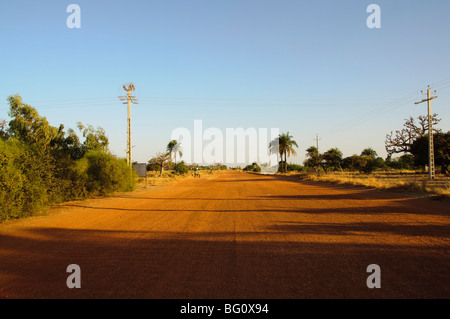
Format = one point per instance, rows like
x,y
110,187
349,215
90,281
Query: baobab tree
x,y
161,160
401,141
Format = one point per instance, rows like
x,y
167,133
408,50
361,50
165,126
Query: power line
x,y
370,114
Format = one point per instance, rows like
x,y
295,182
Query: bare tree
x,y
161,160
400,141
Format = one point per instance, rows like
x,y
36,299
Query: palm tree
x,y
369,152
274,149
285,146
312,157
173,148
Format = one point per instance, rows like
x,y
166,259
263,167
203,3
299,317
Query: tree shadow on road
x,y
146,264
346,210
438,231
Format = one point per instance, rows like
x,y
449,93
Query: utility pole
x,y
317,142
128,99
318,154
431,168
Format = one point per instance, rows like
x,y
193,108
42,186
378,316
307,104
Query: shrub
x,y
252,168
41,165
25,180
295,167
181,168
106,173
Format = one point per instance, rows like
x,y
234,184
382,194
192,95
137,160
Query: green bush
x,y
106,173
252,168
181,168
41,165
26,180
295,167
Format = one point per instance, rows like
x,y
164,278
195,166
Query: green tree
x,y
28,126
313,158
362,163
406,161
441,143
95,140
332,159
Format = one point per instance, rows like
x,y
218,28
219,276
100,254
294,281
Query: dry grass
x,y
409,181
155,179
167,178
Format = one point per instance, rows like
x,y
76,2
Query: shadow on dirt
x,y
137,264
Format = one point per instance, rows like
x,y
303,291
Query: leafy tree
x,y
441,143
406,161
313,158
350,162
95,140
27,126
152,165
332,159
362,163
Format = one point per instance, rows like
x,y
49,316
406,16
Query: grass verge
x,y
439,188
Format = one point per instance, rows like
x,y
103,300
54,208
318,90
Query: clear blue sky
x,y
306,67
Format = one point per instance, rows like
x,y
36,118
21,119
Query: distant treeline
x,y
41,165
368,161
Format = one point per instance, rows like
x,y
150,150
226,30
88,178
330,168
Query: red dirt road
x,y
234,235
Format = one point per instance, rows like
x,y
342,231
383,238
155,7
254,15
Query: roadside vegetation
x,y
405,181
163,168
407,172
42,165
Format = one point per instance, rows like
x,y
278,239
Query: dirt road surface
x,y
232,235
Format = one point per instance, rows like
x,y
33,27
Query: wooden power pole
x,y
128,99
318,154
431,168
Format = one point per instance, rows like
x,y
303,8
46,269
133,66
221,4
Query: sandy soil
x,y
235,235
